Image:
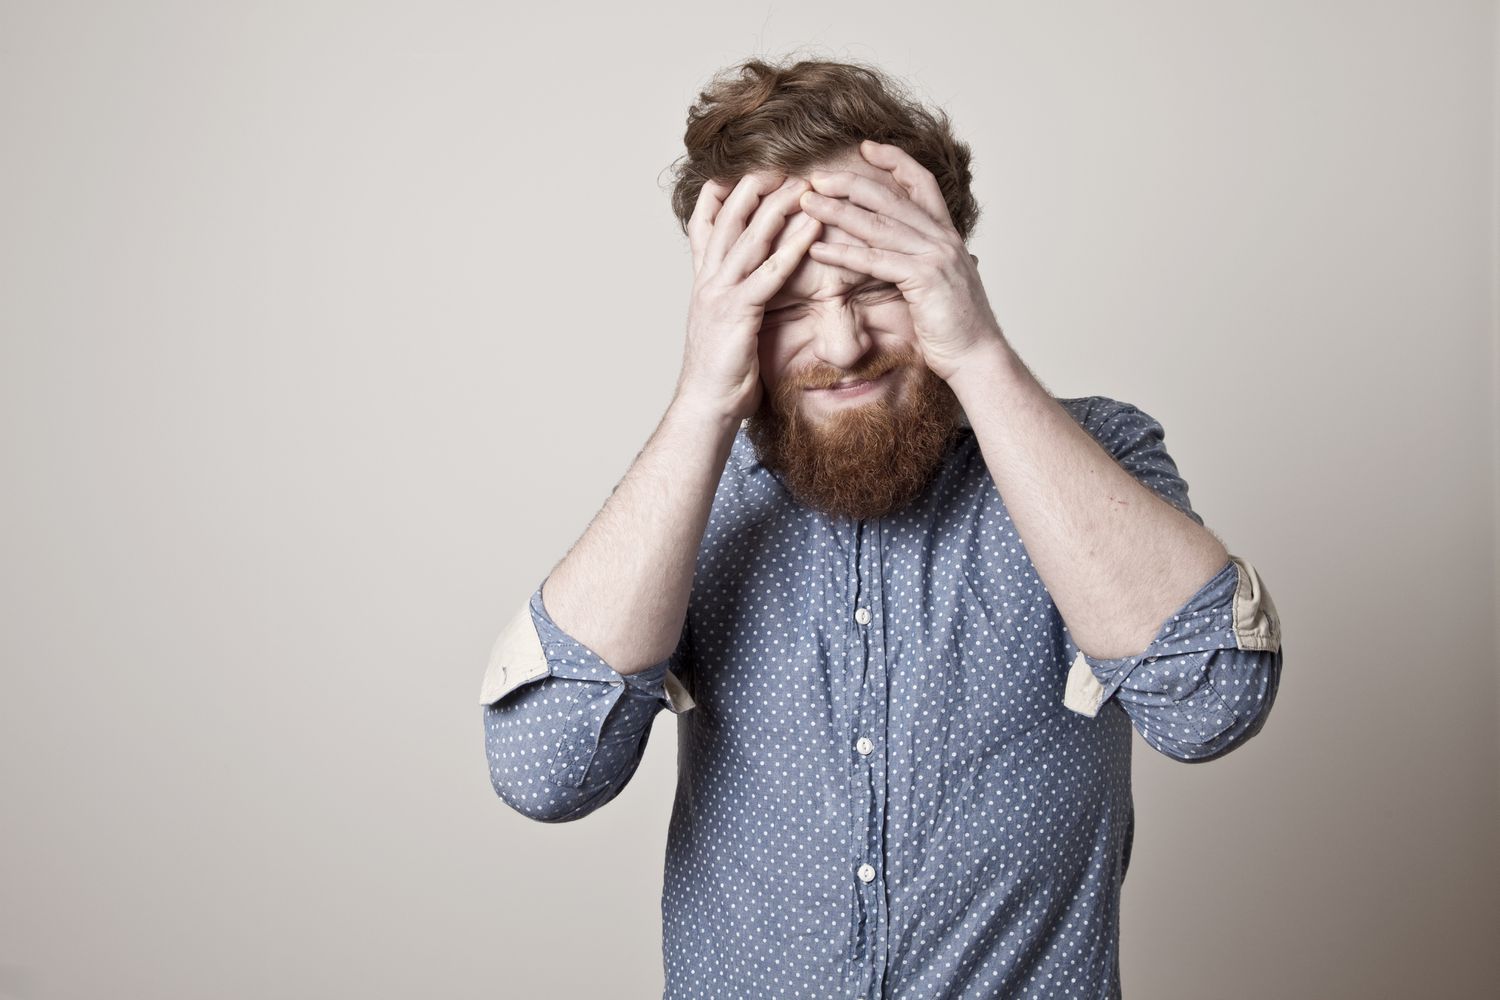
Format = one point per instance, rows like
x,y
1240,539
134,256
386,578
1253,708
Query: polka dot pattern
x,y
880,791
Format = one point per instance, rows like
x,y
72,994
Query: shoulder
x,y
1095,413
1117,425
747,492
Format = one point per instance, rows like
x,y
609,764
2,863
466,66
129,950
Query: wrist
x,y
704,413
987,367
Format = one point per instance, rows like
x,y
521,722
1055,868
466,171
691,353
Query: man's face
x,y
867,450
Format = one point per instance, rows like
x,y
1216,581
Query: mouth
x,y
853,387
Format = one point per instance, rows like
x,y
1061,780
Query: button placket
x,y
867,671
869,609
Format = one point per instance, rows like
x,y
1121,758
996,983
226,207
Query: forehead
x,y
812,278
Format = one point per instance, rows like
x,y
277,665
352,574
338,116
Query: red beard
x,y
864,460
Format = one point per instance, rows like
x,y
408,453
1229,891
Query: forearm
x,y
622,590
1116,558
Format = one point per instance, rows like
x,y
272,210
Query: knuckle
x,y
705,292
770,266
707,195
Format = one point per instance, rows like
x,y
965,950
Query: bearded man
x,y
905,604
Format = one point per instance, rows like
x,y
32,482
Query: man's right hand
x,y
731,232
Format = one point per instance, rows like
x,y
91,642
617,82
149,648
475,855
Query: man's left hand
x,y
913,244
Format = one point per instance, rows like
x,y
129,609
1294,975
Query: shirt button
x,y
862,616
866,873
863,745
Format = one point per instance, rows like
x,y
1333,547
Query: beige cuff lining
x,y
678,699
515,658
1084,693
1256,623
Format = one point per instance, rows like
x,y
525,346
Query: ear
x,y
974,258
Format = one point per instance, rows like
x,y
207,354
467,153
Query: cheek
x,y
768,350
776,350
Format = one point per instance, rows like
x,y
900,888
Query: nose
x,y
841,339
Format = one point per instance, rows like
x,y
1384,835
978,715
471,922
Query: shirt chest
x,y
936,626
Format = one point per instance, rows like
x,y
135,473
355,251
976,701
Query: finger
x,y
766,280
911,175
701,222
730,221
877,230
770,218
882,199
887,265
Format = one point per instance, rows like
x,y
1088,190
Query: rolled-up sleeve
x,y
1207,681
565,731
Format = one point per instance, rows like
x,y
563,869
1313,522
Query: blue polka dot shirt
x,y
897,774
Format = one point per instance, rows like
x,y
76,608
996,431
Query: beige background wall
x,y
327,327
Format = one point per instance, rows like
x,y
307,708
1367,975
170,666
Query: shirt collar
x,y
743,453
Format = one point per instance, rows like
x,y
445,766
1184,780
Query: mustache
x,y
825,377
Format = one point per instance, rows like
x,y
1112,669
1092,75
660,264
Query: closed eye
x,y
884,289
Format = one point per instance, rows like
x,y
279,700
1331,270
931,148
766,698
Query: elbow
x,y
541,799
1242,718
552,778
533,801
519,775
535,787
1201,753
